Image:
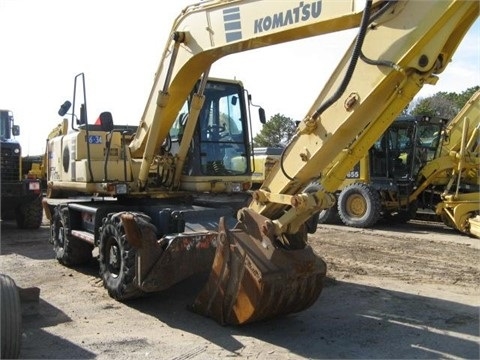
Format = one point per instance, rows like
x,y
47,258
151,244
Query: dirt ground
x,y
412,291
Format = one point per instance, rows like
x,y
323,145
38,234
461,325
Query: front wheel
x,y
117,260
359,205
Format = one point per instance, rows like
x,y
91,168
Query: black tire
x,y
329,216
69,250
359,205
117,260
403,216
11,312
29,215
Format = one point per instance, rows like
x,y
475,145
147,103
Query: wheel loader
x,y
21,191
450,183
379,185
413,165
153,195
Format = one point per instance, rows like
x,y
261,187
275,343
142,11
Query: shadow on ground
x,y
38,341
348,321
29,243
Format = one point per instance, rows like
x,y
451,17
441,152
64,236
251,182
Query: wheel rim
x,y
356,205
113,260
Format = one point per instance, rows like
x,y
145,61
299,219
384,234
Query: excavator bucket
x,y
252,279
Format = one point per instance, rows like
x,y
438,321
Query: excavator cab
x,y
219,146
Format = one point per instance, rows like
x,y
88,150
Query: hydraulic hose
x,y
346,79
353,62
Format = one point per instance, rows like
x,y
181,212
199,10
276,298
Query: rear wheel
x,y
403,216
69,250
329,216
117,260
29,215
359,205
11,318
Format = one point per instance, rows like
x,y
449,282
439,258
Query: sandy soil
x,y
412,291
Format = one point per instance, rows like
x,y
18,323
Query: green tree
x,y
275,132
443,104
462,98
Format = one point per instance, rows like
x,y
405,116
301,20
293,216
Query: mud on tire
x,y
117,260
69,250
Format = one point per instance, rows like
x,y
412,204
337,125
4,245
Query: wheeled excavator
x,y
263,265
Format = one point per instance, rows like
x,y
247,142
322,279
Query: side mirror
x,y
261,115
64,108
16,130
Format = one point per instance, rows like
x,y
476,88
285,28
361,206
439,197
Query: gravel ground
x,y
409,291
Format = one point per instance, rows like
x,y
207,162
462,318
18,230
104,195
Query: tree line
x,y
277,131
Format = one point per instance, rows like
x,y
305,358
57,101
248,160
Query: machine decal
x,y
94,139
232,24
355,172
299,14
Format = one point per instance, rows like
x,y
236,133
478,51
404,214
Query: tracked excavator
x,y
263,265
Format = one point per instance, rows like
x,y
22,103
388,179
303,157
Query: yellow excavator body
x,y
263,266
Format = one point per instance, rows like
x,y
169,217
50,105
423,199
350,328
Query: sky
x,y
118,45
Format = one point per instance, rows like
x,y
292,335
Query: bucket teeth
x,y
251,279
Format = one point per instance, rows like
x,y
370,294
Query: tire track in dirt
x,y
404,256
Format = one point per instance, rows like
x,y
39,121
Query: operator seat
x,y
105,120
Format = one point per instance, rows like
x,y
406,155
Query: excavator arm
x,y
264,266
207,31
406,48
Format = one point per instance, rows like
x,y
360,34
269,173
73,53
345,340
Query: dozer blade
x,y
251,279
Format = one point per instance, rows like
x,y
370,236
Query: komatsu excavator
x,y
263,265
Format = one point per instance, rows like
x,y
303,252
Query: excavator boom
x,y
399,48
207,31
